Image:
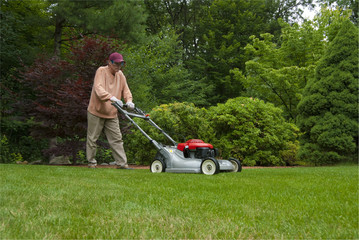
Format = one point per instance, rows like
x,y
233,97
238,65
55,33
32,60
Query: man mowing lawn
x,y
110,85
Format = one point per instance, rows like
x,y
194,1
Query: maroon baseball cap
x,y
116,57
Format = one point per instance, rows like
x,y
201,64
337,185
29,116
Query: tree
x,y
344,5
156,73
121,19
278,72
329,108
22,33
181,16
227,27
57,92
186,17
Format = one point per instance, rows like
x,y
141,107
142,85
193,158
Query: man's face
x,y
116,66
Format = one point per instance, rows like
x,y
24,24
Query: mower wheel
x,y
158,166
210,166
237,165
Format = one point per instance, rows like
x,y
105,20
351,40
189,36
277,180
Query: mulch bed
x,y
104,166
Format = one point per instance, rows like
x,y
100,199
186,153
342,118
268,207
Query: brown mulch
x,y
131,166
108,166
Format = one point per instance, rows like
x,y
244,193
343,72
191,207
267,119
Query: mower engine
x,y
196,148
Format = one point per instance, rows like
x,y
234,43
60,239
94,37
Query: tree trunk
x,y
57,35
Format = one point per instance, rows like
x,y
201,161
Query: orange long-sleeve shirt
x,y
105,86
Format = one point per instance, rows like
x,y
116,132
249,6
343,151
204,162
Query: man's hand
x,y
119,102
130,105
114,99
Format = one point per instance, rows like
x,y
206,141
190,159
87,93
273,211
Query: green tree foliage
x,y
228,25
22,33
278,72
186,17
288,10
344,5
22,38
181,16
330,22
253,131
75,19
156,74
214,33
329,108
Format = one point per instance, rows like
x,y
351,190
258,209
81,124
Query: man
x,y
110,85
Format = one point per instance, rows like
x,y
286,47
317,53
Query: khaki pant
x,y
111,128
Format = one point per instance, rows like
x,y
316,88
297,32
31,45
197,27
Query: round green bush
x,y
253,131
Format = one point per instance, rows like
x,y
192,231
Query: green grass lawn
x,y
80,203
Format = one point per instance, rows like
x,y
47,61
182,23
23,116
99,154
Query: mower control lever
x,y
136,110
140,114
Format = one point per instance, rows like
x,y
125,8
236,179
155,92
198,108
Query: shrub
x,y
6,154
18,139
289,155
103,155
252,131
247,129
56,92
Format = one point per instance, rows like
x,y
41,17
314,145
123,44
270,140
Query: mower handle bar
x,y
141,114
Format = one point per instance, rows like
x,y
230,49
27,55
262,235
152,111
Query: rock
x,y
112,163
38,162
60,160
19,162
104,164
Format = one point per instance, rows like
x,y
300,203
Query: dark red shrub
x,y
57,92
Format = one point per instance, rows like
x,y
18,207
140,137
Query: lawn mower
x,y
193,156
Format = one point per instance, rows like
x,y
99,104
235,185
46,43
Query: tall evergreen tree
x,y
329,108
74,19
